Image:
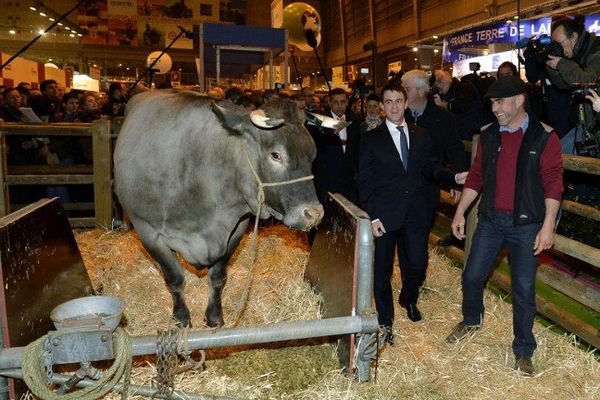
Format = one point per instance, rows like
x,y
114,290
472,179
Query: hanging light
x,y
12,32
32,8
43,14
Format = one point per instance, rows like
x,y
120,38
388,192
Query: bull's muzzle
x,y
304,217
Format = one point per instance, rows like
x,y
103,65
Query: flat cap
x,y
506,87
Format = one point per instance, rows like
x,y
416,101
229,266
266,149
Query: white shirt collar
x,y
394,128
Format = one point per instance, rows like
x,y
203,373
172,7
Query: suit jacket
x,y
386,190
335,170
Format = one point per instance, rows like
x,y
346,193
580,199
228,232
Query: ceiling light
x,y
12,32
516,17
41,32
435,37
67,28
72,34
415,49
51,19
508,21
50,59
32,8
415,59
127,68
60,24
120,65
43,14
436,51
79,34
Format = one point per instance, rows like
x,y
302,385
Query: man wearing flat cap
x,y
518,172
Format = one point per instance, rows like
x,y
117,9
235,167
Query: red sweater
x,y
506,170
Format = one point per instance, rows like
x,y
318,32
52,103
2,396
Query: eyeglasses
x,y
562,41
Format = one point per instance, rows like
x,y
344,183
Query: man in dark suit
x,y
336,164
397,168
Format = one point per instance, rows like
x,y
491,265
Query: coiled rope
x,y
34,372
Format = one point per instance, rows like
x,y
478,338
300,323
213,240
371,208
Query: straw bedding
x,y
420,366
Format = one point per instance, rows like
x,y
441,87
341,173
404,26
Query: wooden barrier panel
x,y
99,174
103,191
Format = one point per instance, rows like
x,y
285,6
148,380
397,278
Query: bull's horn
x,y
327,122
259,119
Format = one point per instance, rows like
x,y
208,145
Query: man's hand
x,y
455,194
458,226
439,102
595,99
544,239
378,229
553,61
461,177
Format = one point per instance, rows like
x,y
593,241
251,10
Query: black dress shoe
x,y
413,313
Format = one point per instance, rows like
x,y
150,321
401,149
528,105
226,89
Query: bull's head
x,y
280,149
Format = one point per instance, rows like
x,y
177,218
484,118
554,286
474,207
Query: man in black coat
x,y
441,126
397,168
336,164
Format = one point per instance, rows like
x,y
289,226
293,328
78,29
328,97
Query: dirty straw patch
x,y
420,366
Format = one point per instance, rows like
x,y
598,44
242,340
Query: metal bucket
x,y
103,312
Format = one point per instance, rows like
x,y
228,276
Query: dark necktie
x,y
403,147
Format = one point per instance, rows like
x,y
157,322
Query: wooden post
x,y
4,200
472,217
102,158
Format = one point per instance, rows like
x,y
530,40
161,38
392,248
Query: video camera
x,y
433,90
540,47
590,144
360,88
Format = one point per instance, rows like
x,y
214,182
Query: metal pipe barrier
x,y
10,358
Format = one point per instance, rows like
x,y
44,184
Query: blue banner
x,y
502,32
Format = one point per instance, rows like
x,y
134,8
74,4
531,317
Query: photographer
x,y
581,61
462,100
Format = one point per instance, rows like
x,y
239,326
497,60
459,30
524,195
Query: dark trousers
x,y
411,243
490,237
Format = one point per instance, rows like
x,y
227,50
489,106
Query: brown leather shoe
x,y
524,365
461,331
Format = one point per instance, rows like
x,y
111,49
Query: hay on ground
x,y
420,366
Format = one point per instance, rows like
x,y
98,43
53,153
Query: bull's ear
x,y
232,121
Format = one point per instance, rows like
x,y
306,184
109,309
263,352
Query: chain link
x,y
166,363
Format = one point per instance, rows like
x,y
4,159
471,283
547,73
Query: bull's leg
x,y
172,273
217,277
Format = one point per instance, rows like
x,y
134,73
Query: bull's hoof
x,y
182,316
214,322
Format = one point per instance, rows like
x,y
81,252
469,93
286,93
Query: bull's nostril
x,y
313,213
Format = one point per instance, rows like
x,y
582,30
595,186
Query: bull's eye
x,y
276,156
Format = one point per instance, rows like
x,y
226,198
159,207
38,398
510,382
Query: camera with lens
x,y
540,47
580,90
589,145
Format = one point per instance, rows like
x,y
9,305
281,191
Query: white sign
x,y
489,63
84,82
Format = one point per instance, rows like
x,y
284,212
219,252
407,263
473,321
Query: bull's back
x,y
164,138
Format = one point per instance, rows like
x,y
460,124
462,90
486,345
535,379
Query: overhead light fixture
x,y
508,21
51,19
32,8
516,17
435,36
415,49
67,28
127,68
436,51
41,31
72,34
60,24
43,14
50,60
12,32
79,34
415,59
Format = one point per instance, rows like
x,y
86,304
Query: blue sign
x,y
503,32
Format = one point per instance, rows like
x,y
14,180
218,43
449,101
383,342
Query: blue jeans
x,y
490,237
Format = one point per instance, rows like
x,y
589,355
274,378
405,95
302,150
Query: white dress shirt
x,y
342,134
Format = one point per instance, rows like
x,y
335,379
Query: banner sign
x,y
502,32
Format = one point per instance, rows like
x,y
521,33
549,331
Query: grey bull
x,y
182,176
